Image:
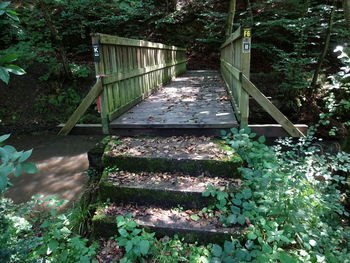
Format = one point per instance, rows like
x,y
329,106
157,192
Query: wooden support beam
x,y
84,105
271,109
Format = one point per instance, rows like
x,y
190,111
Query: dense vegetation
x,y
293,195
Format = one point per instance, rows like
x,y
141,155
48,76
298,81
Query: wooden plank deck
x,y
194,100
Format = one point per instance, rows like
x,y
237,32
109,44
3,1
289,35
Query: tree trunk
x,y
56,39
346,6
230,18
325,46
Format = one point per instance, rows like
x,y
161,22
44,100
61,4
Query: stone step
x,y
193,225
185,154
161,189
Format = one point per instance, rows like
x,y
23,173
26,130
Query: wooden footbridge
x,y
143,88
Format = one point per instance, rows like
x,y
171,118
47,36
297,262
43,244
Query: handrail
x,y
235,69
133,69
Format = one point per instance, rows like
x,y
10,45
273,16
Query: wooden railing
x,y
233,63
127,71
132,70
235,69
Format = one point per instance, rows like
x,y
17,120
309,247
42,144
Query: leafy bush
x,y
290,201
13,163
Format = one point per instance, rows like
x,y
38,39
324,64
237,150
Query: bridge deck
x,y
196,99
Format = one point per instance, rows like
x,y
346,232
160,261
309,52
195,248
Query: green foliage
x,y
144,247
60,244
29,234
13,163
6,66
290,201
137,242
337,94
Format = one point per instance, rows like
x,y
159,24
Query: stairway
x,y
160,181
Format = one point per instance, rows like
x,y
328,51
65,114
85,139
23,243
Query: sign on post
x,y
246,43
96,51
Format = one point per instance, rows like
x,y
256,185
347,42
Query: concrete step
x,y
193,225
184,154
161,189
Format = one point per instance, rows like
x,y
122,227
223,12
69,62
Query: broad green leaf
x,y
52,246
128,246
123,232
262,139
144,247
18,170
195,217
8,58
4,75
30,168
232,219
284,257
12,14
251,236
4,5
229,247
3,182
217,250
4,137
5,156
247,193
15,69
25,156
241,219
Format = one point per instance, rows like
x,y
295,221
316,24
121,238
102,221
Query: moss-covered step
x,y
186,154
193,225
161,189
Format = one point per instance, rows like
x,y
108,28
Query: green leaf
x,y
3,182
12,14
223,133
231,219
15,69
4,137
25,156
144,247
229,247
18,170
241,219
52,246
195,217
251,236
284,257
247,193
30,168
262,139
8,58
4,75
217,250
123,232
4,5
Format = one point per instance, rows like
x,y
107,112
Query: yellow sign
x,y
247,32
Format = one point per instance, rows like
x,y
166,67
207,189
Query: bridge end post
x,y
100,72
245,69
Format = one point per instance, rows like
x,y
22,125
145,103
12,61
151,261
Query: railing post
x,y
245,64
100,72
